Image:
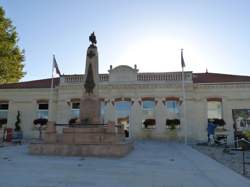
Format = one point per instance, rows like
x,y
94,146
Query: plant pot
x,y
1,134
244,145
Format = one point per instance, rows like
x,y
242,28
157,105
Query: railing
x,y
242,149
172,76
75,79
103,77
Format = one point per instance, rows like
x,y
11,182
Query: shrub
x,y
18,121
72,121
40,121
149,122
219,122
246,133
3,121
172,123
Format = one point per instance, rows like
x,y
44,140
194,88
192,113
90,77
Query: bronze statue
x,y
92,39
89,82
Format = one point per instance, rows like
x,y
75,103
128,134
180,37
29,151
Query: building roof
x,y
218,78
42,83
197,78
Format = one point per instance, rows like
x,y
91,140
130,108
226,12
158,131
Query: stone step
x,y
116,150
83,138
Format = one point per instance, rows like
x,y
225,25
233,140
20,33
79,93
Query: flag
x,y
56,66
182,59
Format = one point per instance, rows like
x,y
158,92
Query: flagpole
x,y
183,96
51,90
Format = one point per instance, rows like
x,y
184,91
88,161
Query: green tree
x,y
11,56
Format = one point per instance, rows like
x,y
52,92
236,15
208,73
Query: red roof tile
x,y
43,83
218,78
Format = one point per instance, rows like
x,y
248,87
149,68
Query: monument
x,y
90,137
90,102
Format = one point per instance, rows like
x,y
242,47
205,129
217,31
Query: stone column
x,y
90,105
111,116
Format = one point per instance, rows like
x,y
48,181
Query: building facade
x,y
131,98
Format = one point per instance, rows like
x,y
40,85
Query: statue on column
x,y
92,39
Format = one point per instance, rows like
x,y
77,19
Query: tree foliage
x,y
11,56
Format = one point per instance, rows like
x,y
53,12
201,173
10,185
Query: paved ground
x,y
229,158
151,164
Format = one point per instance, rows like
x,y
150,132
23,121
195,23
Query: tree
x,y
11,56
40,123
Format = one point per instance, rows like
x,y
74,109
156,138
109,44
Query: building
x,y
130,97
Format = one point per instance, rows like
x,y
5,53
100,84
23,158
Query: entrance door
x,y
125,123
123,109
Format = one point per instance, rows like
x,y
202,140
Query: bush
x,y
172,123
3,121
72,121
218,122
246,134
18,121
40,121
149,122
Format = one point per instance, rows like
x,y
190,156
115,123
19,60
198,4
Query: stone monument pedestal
x,y
89,140
90,110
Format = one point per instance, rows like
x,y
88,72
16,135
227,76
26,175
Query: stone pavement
x,y
151,164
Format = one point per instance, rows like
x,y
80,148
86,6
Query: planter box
x,y
17,137
1,134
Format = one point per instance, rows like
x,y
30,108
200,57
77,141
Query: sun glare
x,y
159,54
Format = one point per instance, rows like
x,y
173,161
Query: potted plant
x,y
18,134
219,122
149,123
172,123
244,139
72,121
40,123
3,121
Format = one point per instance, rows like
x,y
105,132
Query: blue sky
x,y
214,34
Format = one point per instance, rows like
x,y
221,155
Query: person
x,y
210,131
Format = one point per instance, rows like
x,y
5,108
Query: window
x,y
122,108
172,106
214,109
148,107
4,107
75,110
43,110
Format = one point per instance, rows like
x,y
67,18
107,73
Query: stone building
x,y
130,97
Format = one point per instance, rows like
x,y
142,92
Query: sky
x,y
215,34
